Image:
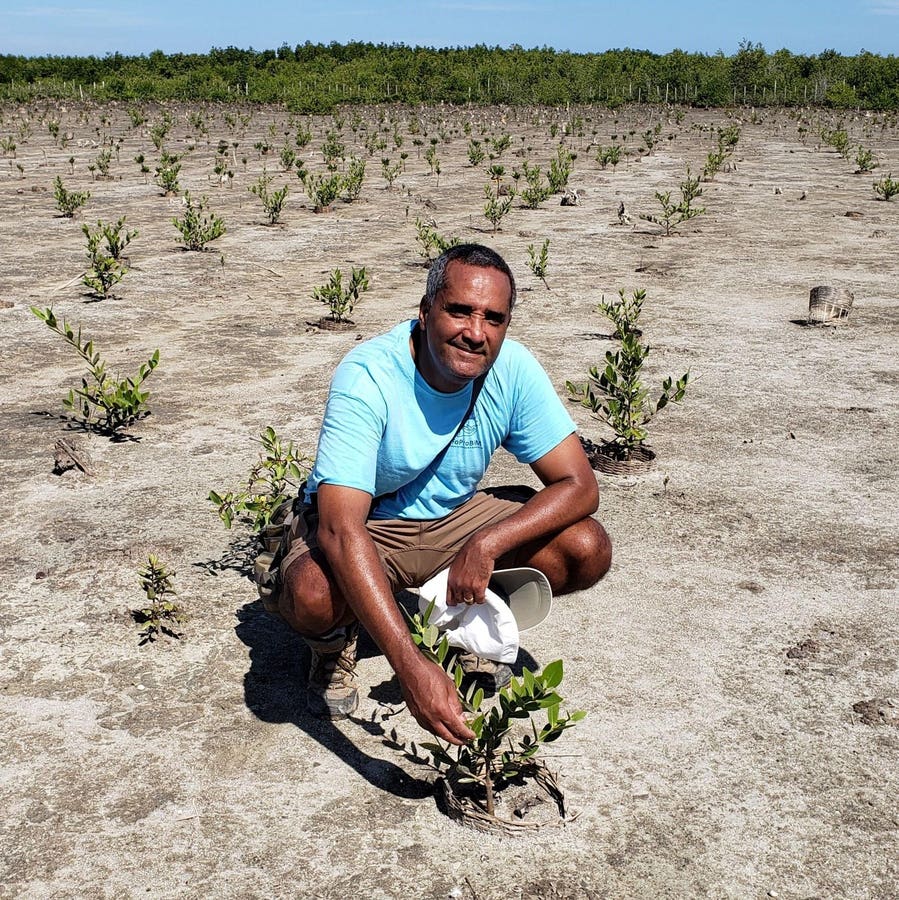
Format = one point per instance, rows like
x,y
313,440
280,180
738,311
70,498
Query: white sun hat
x,y
527,593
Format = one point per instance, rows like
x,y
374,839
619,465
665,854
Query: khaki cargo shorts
x,y
413,550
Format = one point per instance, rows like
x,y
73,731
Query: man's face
x,y
462,334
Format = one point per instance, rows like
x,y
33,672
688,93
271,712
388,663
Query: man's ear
x,y
422,311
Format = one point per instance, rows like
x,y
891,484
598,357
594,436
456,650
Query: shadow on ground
x,y
274,691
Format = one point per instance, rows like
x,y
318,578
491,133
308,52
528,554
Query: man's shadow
x,y
275,691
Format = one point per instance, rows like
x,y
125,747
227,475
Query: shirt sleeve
x,y
348,443
539,420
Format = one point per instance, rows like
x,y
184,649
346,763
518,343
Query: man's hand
x,y
470,572
431,697
429,692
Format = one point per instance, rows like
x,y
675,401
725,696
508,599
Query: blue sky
x,y
32,27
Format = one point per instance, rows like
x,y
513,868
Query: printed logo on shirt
x,y
468,436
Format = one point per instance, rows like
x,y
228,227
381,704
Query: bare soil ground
x,y
738,664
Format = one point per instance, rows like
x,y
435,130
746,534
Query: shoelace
x,y
336,667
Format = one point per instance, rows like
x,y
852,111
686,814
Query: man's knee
x,y
589,551
307,598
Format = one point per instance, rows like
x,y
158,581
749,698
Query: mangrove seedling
x,y
197,226
104,403
68,202
624,312
886,188
431,243
484,761
674,214
352,180
274,478
617,396
106,268
539,261
323,190
272,201
340,300
162,614
498,205
167,173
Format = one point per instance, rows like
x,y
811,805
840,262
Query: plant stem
x,y
488,781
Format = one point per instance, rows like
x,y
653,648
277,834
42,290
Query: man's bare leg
x,y
310,601
574,559
311,604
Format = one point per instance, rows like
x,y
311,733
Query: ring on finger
x,y
468,599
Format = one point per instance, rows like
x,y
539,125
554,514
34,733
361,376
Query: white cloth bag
x,y
487,629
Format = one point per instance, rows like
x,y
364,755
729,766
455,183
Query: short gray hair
x,y
471,255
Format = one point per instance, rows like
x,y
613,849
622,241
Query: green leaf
x,y
552,674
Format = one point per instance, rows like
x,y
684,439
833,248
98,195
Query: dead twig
x,y
260,266
68,455
69,283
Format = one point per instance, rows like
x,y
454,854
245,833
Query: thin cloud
x,y
885,8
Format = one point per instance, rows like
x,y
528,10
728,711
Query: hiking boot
x,y
500,673
331,690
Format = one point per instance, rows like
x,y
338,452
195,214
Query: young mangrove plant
x,y
500,145
674,214
272,201
623,312
303,136
117,237
538,261
498,203
340,300
159,131
475,152
728,138
106,268
617,396
497,755
560,169
103,162
390,171
141,160
351,187
864,161
162,613
886,188
323,190
537,189
333,151
430,242
68,202
104,403
198,226
167,172
433,161
837,138
608,156
274,478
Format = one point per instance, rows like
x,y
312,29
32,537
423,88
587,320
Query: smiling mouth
x,y
467,351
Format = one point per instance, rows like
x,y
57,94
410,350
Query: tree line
x,y
317,77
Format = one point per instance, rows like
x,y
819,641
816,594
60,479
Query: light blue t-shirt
x,y
384,426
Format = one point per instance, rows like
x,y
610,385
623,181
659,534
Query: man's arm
x,y
356,567
569,495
